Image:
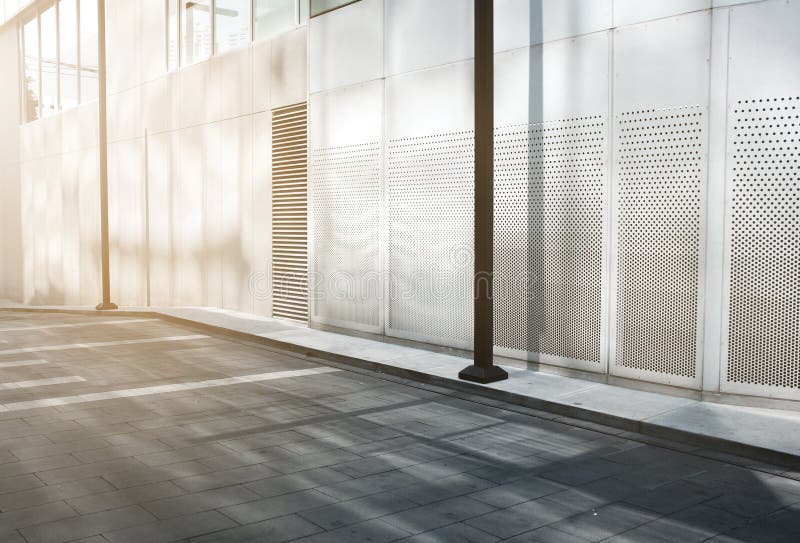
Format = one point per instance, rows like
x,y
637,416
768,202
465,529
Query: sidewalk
x,y
769,435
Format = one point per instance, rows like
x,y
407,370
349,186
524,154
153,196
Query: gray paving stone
x,y
200,501
286,484
87,525
277,506
372,531
519,491
435,515
442,489
672,497
454,532
275,530
341,514
144,475
121,498
521,518
604,522
53,493
172,530
217,479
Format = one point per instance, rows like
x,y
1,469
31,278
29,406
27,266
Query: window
x,y
195,30
318,7
30,46
49,62
88,57
68,51
172,35
274,16
231,24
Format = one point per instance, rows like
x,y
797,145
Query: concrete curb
x,y
726,446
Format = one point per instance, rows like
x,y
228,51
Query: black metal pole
x,y
483,369
103,148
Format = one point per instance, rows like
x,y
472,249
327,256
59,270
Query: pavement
x,y
121,428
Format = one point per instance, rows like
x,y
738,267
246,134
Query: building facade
x,y
315,162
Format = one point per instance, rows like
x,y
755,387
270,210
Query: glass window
x,y
30,44
172,35
88,57
319,7
273,17
49,63
195,30
231,24
68,43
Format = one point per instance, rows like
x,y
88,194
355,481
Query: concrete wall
x,y
189,175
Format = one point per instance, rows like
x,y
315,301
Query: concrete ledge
x,y
767,435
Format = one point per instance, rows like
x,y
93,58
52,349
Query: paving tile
x,y
53,493
126,496
287,484
604,522
521,518
275,530
435,515
200,501
331,517
207,481
87,525
373,531
672,497
519,491
20,518
277,506
454,532
172,530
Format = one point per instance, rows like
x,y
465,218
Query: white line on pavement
x,y
41,382
74,325
99,344
17,363
161,389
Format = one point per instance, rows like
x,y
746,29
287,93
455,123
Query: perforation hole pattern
x,y
660,177
764,208
430,199
549,190
345,203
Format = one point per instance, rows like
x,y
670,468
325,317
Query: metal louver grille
x,y
763,354
289,213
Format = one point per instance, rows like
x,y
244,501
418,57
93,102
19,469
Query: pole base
x,y
106,306
479,374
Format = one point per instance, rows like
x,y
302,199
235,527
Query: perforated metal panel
x,y
763,309
345,202
430,203
549,219
289,212
660,177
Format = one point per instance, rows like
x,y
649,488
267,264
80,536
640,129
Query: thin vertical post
x,y
103,148
483,369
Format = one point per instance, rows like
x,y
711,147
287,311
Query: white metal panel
x,y
430,202
660,177
551,202
262,61
345,164
288,68
519,23
336,61
235,70
559,80
761,344
627,12
421,34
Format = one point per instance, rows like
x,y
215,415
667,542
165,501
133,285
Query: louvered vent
x,y
289,213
